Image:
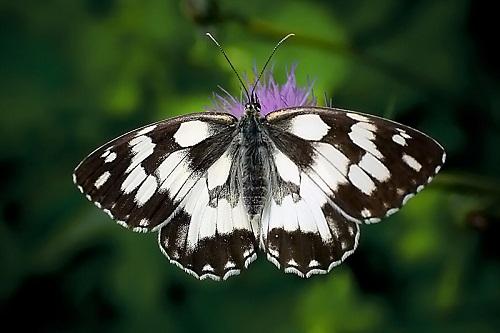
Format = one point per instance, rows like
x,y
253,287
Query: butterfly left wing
x,y
175,176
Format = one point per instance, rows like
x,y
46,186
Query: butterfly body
x,y
255,158
296,183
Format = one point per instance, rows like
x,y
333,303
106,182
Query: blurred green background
x,y
75,74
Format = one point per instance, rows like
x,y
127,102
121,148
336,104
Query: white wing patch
x,y
362,135
224,217
240,217
361,180
309,127
208,222
146,191
218,173
191,133
374,167
102,179
399,139
403,133
412,162
134,179
287,170
110,158
142,146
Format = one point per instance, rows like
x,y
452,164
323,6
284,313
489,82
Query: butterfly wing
x,y
176,176
368,166
343,168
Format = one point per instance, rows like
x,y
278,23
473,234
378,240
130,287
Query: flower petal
x,y
272,96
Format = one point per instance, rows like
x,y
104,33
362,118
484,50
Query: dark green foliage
x,y
74,74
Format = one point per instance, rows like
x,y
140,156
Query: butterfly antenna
x,y
269,59
230,64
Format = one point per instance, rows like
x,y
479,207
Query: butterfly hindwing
x,y
215,242
210,234
301,232
368,166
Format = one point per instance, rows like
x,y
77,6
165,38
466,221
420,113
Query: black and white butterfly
x,y
296,184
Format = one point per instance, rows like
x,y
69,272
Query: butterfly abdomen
x,y
254,166
255,184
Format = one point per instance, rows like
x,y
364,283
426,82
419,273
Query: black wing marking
x,y
368,166
177,176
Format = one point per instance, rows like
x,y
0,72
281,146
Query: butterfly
x,y
295,184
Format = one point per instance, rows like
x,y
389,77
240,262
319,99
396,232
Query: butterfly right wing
x,y
332,170
175,176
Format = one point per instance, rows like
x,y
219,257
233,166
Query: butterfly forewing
x,y
138,177
367,166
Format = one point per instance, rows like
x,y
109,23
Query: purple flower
x,y
272,96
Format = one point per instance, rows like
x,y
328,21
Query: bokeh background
x,y
74,74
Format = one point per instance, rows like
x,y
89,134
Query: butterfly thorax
x,y
254,161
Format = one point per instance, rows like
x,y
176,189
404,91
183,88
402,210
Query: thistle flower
x,y
272,95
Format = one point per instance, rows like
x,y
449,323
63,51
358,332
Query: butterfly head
x,y
253,105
